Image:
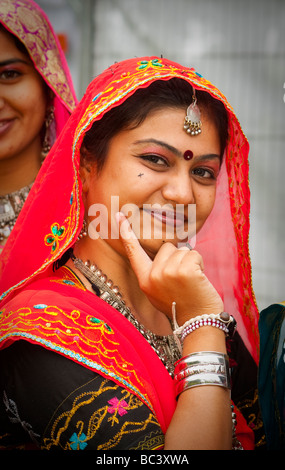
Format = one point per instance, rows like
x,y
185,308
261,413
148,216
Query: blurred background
x,y
239,45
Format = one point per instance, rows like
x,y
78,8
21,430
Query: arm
x,y
202,419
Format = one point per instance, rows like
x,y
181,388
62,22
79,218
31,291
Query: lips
x,y
5,125
168,217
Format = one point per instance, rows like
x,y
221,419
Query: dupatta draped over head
x,y
27,21
52,218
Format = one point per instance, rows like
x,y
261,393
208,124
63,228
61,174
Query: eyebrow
x,y
208,156
13,61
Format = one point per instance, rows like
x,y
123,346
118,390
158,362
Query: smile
x,y
173,218
5,125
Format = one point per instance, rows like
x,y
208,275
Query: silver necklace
x,y
10,207
166,347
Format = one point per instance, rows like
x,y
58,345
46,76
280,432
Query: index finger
x,y
139,259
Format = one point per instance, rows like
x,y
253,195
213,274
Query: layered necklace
x,y
10,208
166,347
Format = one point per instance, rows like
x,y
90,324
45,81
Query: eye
x,y
155,159
9,74
203,173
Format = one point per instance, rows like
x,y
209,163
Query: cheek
x,y
205,201
34,103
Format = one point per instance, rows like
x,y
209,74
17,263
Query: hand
x,y
174,275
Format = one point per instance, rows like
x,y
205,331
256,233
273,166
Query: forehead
x,y
8,46
167,127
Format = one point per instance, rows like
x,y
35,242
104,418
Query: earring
x,y
192,121
83,231
47,138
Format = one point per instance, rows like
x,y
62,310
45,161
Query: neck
x,y
20,170
117,268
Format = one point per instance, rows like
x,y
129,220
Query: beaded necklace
x,y
10,207
166,347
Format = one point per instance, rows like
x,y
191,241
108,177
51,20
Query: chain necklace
x,y
166,347
10,207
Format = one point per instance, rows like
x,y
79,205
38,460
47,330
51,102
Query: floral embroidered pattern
x,y
117,407
145,64
78,441
57,233
88,410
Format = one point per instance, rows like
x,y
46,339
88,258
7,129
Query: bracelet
x,y
201,368
198,380
200,358
198,369
206,322
223,318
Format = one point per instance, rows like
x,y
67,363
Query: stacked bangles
x,y
204,367
201,368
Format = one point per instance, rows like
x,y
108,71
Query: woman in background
x,y
36,99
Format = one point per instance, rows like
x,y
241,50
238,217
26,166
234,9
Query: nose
x,y
178,188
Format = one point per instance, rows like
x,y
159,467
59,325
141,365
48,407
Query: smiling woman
x,y
125,341
36,99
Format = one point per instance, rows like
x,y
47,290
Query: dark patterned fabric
x,y
70,407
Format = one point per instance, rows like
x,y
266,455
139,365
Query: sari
x,y
40,308
271,375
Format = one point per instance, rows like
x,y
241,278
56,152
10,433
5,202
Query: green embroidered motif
x,y
57,233
98,322
145,64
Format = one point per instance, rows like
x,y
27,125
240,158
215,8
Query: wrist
x,y
205,339
184,315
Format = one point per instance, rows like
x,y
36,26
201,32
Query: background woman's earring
x,y
47,138
83,231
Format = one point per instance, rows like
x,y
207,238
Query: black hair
x,y
173,93
20,46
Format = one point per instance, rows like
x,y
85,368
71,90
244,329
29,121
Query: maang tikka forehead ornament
x,y
192,121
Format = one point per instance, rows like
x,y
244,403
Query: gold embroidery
x,y
98,421
67,277
80,337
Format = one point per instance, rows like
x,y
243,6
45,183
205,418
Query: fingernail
x,y
119,216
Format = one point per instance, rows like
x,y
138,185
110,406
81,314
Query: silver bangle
x,y
201,358
198,380
202,368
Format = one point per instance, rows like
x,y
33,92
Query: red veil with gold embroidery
x,y
52,218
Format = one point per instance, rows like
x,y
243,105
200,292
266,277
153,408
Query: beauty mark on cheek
x,y
188,155
140,175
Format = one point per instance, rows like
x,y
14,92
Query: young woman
x,y
36,99
99,346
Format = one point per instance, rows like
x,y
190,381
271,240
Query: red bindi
x,y
188,154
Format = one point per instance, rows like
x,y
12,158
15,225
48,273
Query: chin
x,y
151,247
